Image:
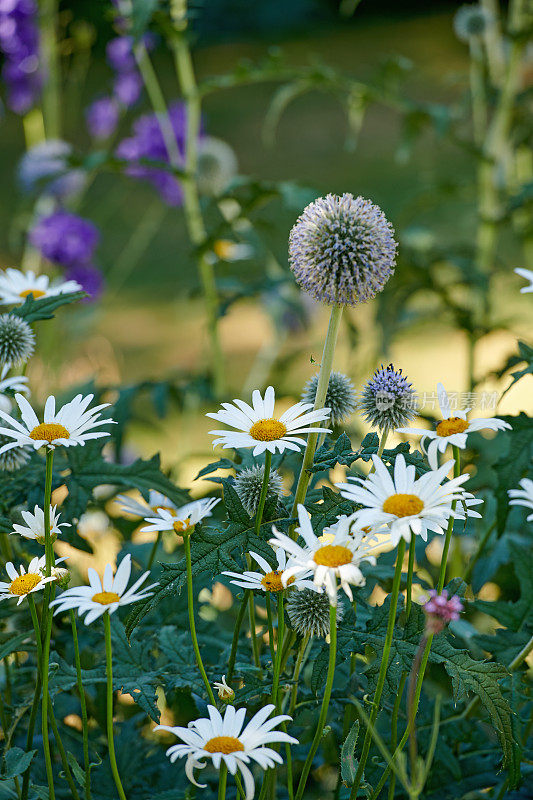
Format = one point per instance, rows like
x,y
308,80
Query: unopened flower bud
x,y
440,610
225,692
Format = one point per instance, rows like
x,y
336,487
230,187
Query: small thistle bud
x,y
248,485
342,250
17,340
61,577
217,165
340,396
14,459
388,399
308,612
440,610
225,692
471,21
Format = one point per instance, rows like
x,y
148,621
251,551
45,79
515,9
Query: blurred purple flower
x,y
45,169
90,279
440,610
147,143
102,117
65,238
19,42
127,87
119,52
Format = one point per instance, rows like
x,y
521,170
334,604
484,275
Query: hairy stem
x,y
192,626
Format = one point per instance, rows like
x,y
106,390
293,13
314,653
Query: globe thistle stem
x,y
382,670
109,675
381,447
277,664
321,391
192,626
263,495
325,703
410,570
236,633
300,660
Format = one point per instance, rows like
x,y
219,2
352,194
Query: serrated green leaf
x,y
43,308
515,615
15,642
16,761
349,762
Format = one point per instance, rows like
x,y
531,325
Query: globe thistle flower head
x,y
248,485
308,612
388,399
342,250
471,21
340,396
217,165
14,459
440,610
17,340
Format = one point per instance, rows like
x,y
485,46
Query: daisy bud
x,y
308,612
217,165
342,250
248,485
440,610
388,399
14,459
17,340
61,577
471,21
225,692
340,396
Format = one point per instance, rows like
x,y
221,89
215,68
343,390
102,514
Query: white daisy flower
x,y
528,275
181,520
17,383
23,583
105,595
334,555
16,286
224,739
269,580
405,503
34,528
73,424
156,502
452,429
225,692
524,496
258,428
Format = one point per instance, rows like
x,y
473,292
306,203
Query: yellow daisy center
x,y
35,293
333,555
171,510
223,744
272,581
403,505
49,431
105,598
24,584
182,525
266,430
452,425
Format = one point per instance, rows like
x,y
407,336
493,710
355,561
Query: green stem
x,y
394,728
47,621
411,710
51,88
192,626
325,703
263,495
157,100
473,561
383,668
279,640
381,447
410,570
222,779
449,531
253,634
109,674
296,674
29,735
477,91
191,201
236,632
522,655
270,629
154,550
83,704
320,399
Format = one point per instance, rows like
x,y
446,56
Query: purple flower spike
x,y
119,52
102,118
19,43
127,87
65,238
440,610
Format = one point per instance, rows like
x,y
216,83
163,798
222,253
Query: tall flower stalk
x,y
192,625
109,716
47,619
83,704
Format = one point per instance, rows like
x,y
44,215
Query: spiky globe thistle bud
x,y
217,165
471,21
388,399
17,340
340,397
14,459
342,250
440,610
248,485
308,612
